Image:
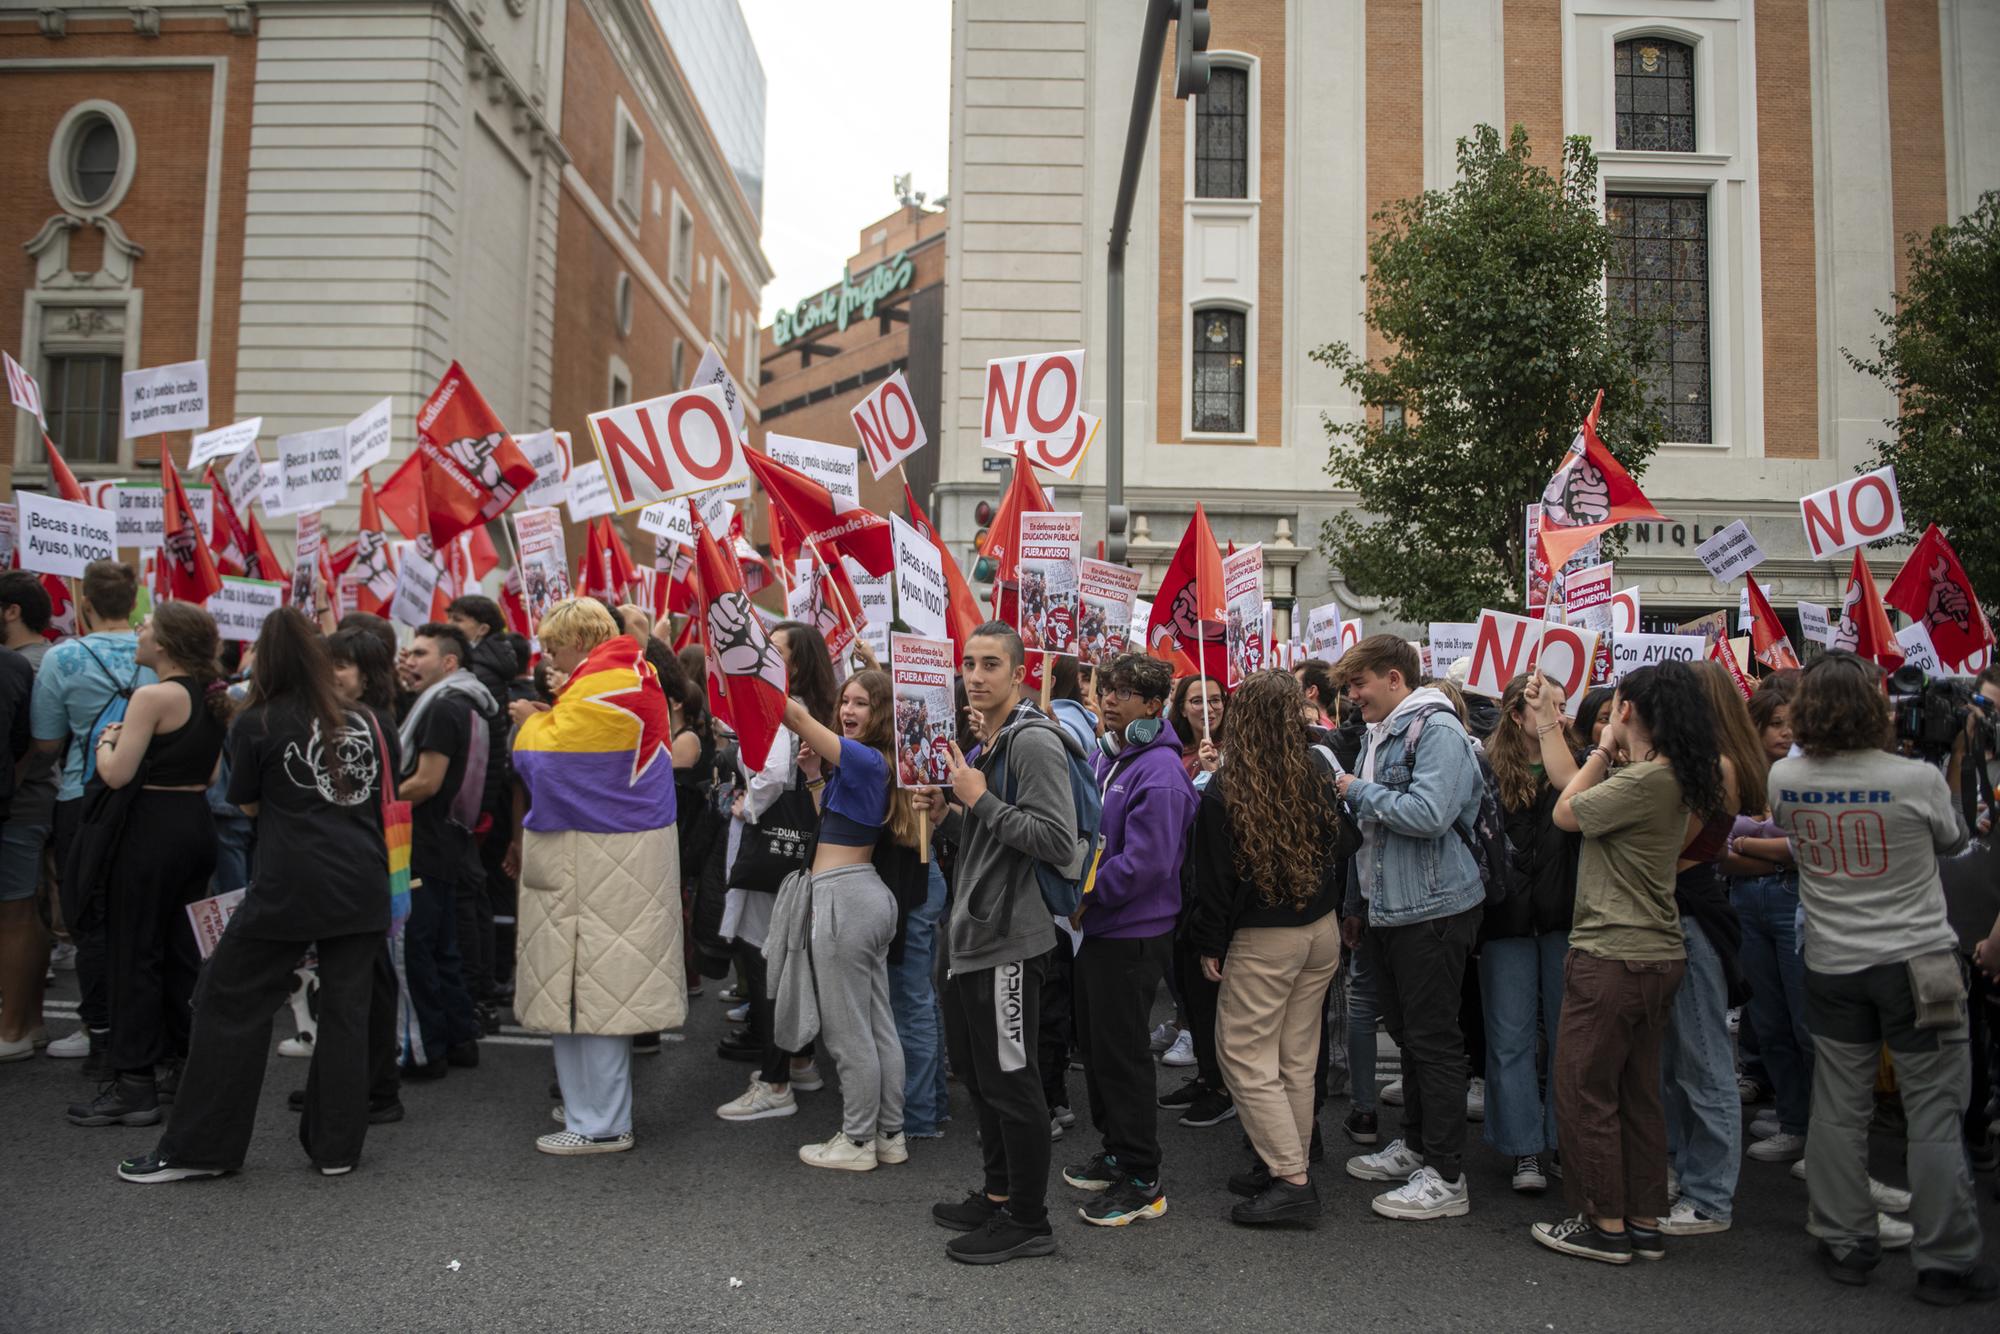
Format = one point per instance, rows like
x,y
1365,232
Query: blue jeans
x,y
1698,1077
1766,905
1364,1017
913,1000
235,840
1520,988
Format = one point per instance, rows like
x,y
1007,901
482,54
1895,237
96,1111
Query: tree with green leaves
x,y
1940,353
1490,298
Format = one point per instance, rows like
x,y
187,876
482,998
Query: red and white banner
x,y
746,673
471,470
1050,579
1031,398
888,425
1243,613
666,447
1505,646
1851,513
22,389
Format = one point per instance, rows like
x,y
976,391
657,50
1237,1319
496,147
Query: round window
x,y
93,159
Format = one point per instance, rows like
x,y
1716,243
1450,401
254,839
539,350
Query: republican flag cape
x,y
371,574
1188,614
260,561
1003,535
1590,493
601,761
1864,625
187,567
961,612
231,543
1768,640
746,674
1932,588
808,513
471,469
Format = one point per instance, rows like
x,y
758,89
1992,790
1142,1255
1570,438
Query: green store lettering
x,y
839,303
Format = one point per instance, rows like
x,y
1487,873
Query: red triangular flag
x,y
1003,535
1768,639
807,512
624,571
1721,652
59,473
1188,612
514,605
746,673
1932,587
480,553
1863,625
188,567
370,577
260,561
961,608
472,470
231,543
1590,493
401,499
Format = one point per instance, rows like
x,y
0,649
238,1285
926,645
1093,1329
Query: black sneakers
x,y
464,1055
152,1170
967,1215
1648,1243
379,1113
1210,1107
1002,1238
1582,1238
1361,1127
1100,1173
123,1101
1854,1267
1279,1202
1128,1201
1183,1096
1942,1287
740,1046
645,1044
1252,1183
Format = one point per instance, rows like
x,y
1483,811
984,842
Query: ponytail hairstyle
x,y
1671,702
186,633
292,665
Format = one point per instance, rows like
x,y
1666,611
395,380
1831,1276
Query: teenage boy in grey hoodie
x,y
1007,811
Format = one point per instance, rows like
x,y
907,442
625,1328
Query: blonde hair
x,y
579,623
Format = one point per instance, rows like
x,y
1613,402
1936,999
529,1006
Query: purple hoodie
x,y
1148,809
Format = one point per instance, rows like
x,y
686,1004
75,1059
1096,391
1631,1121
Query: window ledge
x,y
1654,157
626,213
1218,438
1224,205
1700,446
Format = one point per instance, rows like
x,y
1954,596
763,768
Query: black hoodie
x,y
496,665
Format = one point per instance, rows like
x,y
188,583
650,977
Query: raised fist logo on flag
x,y
1589,493
479,456
1932,587
737,642
1576,496
1845,632
1948,604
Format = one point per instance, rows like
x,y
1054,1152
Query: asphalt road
x,y
454,1222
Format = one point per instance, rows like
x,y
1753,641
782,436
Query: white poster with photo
x,y
305,561
1323,632
589,491
548,452
367,439
1588,602
241,605
1243,612
835,467
1051,577
1107,595
61,537
922,596
10,521
312,469
545,578
166,398
922,671
225,442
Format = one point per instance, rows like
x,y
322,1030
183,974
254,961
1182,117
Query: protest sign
x,y
1031,398
1107,594
877,605
60,536
922,596
1629,652
1323,632
1587,602
1539,577
1711,627
141,514
1243,612
835,467
22,390
1506,645
1625,612
923,671
10,519
1450,641
102,492
418,571
166,398
888,425
1851,513
1062,454
589,491
1919,651
1730,553
1733,654
814,600
670,520
709,372
312,469
243,479
1813,622
224,442
367,440
240,607
1050,580
669,446
305,561
1351,633
538,535
549,452
209,917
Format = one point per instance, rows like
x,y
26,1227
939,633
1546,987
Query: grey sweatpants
x,y
1852,1017
854,919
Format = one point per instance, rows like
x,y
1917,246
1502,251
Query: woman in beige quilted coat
x,y
599,944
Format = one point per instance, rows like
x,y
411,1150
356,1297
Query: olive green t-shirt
x,y
1634,826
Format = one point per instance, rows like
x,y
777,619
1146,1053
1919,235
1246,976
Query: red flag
x,y
1003,535
231,543
479,551
624,572
514,605
188,567
1932,588
371,573
1188,612
1863,625
1768,639
746,673
807,512
401,499
1590,493
59,473
62,609
1721,652
260,561
472,470
961,608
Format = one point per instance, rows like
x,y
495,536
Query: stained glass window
x,y
1659,269
1218,370
1654,85
1222,136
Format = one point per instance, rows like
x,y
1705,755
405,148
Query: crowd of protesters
x,y
1607,931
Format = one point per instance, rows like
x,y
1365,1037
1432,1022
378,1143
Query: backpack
x,y
1487,841
1062,886
112,712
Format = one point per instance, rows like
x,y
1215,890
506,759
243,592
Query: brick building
x,y
329,202
1772,154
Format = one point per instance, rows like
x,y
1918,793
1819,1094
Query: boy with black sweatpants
x,y
1007,812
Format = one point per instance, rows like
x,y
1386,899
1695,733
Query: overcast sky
x,y
857,94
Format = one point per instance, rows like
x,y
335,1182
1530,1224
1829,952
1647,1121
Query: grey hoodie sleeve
x,y
1041,820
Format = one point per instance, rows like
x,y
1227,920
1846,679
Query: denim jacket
x,y
1416,867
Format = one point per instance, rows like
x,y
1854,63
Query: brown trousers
x,y
1267,1032
1610,1123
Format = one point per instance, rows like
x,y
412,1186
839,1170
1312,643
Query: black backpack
x,y
1487,840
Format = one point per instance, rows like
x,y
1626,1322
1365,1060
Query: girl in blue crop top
x,y
854,803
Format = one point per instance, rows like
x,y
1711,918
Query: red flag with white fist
x,y
746,673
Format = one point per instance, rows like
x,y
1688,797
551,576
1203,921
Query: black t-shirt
x,y
322,868
439,847
17,684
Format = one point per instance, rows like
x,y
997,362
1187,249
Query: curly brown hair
x,y
1840,706
1270,790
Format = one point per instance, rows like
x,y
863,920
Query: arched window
x,y
1654,86
1219,370
1222,136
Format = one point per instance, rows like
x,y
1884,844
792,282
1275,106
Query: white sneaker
x,y
559,1114
1397,1162
1885,1197
1764,1125
892,1149
840,1154
63,956
739,1015
302,1045
759,1103
1475,1099
1779,1148
72,1048
1181,1051
1427,1195
1893,1233
1734,1019
1163,1038
1799,1174
1392,1093
567,1143
1673,1185
807,1079
1688,1221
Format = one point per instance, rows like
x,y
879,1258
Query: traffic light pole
x,y
1191,76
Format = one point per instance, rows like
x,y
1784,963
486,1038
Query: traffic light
x,y
1190,40
982,568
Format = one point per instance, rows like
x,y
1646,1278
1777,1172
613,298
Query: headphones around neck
x,y
1138,732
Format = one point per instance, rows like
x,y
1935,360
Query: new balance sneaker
x,y
1175,1099
1687,1221
119,1102
1779,1148
567,1143
1475,1099
807,1078
72,1048
1097,1174
1180,1052
1426,1195
1279,1202
1648,1243
1002,1238
152,1170
759,1102
1581,1237
1362,1127
1893,1233
1163,1038
1128,1201
1394,1163
1211,1108
892,1149
840,1154
969,1214
1392,1093
1528,1178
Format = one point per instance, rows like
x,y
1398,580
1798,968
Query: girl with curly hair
x,y
1267,881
